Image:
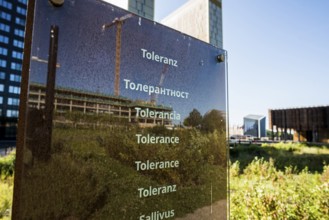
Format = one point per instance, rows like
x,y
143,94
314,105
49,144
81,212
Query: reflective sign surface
x,y
124,119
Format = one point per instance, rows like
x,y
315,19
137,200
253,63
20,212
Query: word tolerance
x,y
158,215
148,139
147,113
154,191
154,89
156,165
161,59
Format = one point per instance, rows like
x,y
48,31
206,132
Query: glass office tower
x,y
215,23
12,30
143,8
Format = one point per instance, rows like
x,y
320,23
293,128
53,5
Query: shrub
x,y
7,165
263,192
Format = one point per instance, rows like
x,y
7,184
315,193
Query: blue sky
x,y
278,53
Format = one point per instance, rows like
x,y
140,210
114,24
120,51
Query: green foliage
x,y
213,120
194,119
7,165
6,194
93,173
195,150
297,155
263,192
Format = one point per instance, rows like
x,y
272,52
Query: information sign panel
x,y
120,118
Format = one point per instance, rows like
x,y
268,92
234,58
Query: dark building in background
x,y
254,125
305,124
12,31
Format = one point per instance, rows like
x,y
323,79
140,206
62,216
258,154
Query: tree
x,y
213,120
194,119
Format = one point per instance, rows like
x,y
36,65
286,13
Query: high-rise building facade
x,y
143,8
201,19
12,31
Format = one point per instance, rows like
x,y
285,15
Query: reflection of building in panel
x,y
255,125
306,124
70,100
201,19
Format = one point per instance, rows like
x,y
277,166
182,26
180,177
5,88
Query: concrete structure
x,y
70,100
305,124
201,19
143,8
12,25
255,125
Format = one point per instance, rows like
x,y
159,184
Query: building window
x,y
14,90
20,10
15,78
3,63
2,88
19,32
6,4
17,55
5,16
2,75
16,66
4,27
23,1
13,101
4,39
1,99
18,43
3,51
20,21
12,113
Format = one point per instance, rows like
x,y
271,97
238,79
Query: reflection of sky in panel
x,y
87,56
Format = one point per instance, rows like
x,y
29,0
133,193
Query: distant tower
x,y
201,19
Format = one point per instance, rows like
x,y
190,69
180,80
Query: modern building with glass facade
x,y
12,31
201,19
254,125
144,8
